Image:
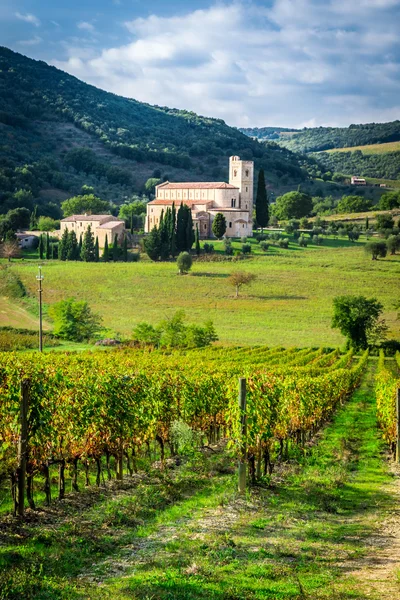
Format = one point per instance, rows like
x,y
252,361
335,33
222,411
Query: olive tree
x,y
184,262
358,318
239,278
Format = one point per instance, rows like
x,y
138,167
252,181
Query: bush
x,y
376,249
317,239
284,243
74,320
264,246
228,247
47,224
184,262
393,243
243,239
208,248
174,333
303,241
246,248
261,237
134,256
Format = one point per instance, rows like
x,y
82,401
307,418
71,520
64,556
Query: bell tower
x,y
241,175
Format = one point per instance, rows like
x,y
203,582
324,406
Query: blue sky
x,y
250,62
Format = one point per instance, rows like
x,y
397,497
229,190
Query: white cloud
x,y
28,18
248,64
32,42
86,26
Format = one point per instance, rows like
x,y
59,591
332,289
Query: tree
x,y
96,250
115,249
106,255
10,249
375,249
74,320
125,249
197,240
47,224
219,226
393,243
293,205
41,247
150,186
71,246
63,246
262,207
184,262
48,250
87,204
389,201
152,244
189,231
182,219
384,222
87,250
353,204
19,218
239,278
358,319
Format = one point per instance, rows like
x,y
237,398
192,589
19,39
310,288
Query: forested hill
x,y
267,133
58,133
318,139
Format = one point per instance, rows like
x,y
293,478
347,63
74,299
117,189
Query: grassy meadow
x,y
290,303
371,148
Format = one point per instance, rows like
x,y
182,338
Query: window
x,y
233,203
205,226
243,225
235,173
246,206
247,172
151,210
230,224
247,189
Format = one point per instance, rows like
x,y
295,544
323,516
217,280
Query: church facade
x,y
205,199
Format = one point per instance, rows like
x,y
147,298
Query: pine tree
x,y
87,250
152,244
96,250
48,249
125,249
115,249
63,245
219,226
41,247
106,254
197,240
262,207
189,231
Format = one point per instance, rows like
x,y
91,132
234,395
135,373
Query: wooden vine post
x,y
243,434
22,448
398,425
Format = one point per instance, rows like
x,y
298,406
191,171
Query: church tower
x,y
241,175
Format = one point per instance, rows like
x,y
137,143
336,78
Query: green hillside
x,y
58,133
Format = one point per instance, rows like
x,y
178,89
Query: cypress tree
x,y
197,240
115,248
106,254
152,244
189,230
41,248
87,250
48,249
219,226
366,223
172,232
125,249
96,250
63,245
164,235
181,223
262,207
72,246
79,249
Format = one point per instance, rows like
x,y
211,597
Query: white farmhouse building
x,y
205,199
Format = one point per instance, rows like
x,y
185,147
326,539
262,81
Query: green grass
x,y
185,535
371,149
289,304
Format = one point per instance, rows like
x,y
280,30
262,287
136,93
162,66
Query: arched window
x,y
234,173
247,172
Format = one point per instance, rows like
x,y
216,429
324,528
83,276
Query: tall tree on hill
x,y
87,250
115,249
189,231
41,247
262,206
197,240
219,226
96,250
106,253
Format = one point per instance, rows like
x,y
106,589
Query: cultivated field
x,y
289,304
371,149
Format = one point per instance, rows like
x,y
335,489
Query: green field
x,y
371,149
289,304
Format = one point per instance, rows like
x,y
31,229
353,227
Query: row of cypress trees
x,y
87,248
173,235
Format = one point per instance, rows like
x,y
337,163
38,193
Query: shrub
x,y
208,248
261,237
303,241
228,247
47,224
264,246
284,243
317,239
184,262
393,243
376,249
243,239
246,248
74,320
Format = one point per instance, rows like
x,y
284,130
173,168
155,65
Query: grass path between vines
x,y
326,529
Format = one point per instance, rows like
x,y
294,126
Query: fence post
x,y
243,433
22,447
398,425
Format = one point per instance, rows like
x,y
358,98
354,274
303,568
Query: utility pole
x,y
39,277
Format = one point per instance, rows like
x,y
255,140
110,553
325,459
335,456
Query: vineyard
x,y
387,383
100,412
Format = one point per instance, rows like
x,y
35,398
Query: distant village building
x,y
102,226
358,181
205,199
27,241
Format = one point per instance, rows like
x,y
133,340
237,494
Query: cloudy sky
x,y
287,63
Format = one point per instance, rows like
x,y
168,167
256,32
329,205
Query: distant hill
x,y
58,133
267,133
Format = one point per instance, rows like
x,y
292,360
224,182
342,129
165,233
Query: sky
x,y
253,63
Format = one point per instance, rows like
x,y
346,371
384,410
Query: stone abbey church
x,y
234,200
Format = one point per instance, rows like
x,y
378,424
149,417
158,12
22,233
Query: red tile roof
x,y
169,202
197,185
